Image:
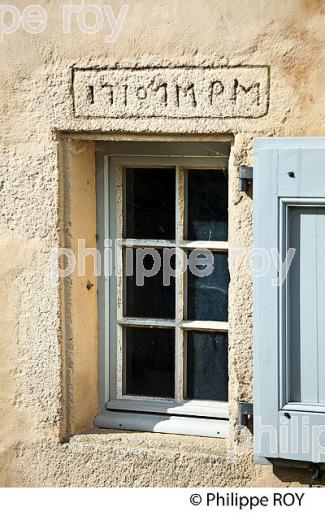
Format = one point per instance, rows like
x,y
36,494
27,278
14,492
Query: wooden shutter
x,y
289,318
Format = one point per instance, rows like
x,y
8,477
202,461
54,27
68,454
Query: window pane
x,y
207,205
150,362
207,297
207,366
153,299
150,203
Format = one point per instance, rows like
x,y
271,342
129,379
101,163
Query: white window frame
x,y
195,417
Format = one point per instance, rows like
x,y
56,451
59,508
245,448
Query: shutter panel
x,y
289,318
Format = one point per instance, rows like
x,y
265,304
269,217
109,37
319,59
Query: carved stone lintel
x,y
179,92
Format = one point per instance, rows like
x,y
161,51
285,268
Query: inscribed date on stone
x,y
224,92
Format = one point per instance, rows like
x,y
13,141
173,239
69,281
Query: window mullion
x,y
179,336
120,289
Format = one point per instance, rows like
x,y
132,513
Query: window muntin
x,y
191,396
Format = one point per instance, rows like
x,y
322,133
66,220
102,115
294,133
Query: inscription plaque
x,y
221,92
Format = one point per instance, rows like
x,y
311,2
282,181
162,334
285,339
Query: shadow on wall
x,y
301,475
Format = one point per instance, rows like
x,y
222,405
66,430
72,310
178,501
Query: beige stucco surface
x,y
48,331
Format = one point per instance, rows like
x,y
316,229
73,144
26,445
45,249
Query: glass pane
x,y
150,362
207,205
207,297
207,366
150,203
149,297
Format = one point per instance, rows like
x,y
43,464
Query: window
x,y
164,310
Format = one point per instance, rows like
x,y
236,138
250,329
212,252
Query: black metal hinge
x,y
245,177
245,413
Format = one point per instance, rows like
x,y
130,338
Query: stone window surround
x,y
79,320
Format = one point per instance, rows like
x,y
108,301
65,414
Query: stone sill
x,y
110,439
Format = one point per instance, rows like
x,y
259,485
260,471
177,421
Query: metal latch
x,y
245,413
245,177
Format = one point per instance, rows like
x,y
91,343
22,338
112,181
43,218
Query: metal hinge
x,y
245,413
245,177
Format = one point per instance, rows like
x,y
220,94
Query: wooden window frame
x,y
196,417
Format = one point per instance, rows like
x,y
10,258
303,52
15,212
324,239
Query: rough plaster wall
x,y
36,104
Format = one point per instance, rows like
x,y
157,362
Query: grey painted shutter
x,y
289,318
